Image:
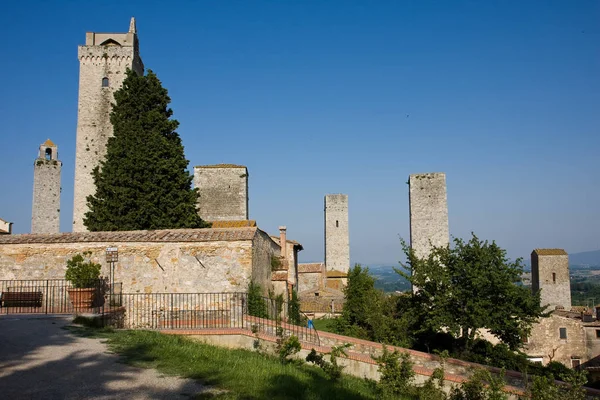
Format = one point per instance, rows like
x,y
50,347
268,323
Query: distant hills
x,y
591,258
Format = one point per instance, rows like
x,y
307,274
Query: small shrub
x,y
396,373
276,263
288,347
294,315
482,385
257,306
81,273
331,367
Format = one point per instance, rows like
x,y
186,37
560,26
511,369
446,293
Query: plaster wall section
x,y
337,233
103,61
428,212
45,213
550,274
223,190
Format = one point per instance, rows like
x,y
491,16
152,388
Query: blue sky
x,y
320,97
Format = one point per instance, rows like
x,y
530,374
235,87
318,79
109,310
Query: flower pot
x,y
82,299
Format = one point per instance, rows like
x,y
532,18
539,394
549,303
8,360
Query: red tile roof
x,y
233,224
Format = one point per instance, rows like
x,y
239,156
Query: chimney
x,y
283,242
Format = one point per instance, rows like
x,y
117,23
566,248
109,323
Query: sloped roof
x,y
49,143
233,224
336,274
550,252
165,235
310,267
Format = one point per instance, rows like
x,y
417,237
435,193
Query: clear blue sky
x,y
320,97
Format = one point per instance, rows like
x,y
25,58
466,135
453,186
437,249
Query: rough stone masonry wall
x,y
428,212
223,192
263,249
227,266
337,237
45,213
93,117
556,291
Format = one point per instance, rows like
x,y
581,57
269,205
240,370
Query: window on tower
x,y
104,82
48,154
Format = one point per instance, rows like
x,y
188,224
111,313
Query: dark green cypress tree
x,y
143,183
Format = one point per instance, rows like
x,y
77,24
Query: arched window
x,y
48,154
104,82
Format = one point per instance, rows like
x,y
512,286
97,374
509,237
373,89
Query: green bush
x,y
257,306
288,347
397,373
82,273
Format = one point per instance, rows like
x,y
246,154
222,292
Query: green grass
x,y
324,324
240,374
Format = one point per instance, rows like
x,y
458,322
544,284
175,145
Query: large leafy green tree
x,y
471,286
143,183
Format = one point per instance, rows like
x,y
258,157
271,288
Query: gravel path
x,y
41,360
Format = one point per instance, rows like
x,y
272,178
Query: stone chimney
x,y
283,242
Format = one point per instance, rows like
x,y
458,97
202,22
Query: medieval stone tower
x,y
337,236
45,215
428,212
103,61
223,192
550,273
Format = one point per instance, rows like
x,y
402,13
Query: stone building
x,y
223,192
45,214
5,227
428,212
337,234
550,275
103,61
176,260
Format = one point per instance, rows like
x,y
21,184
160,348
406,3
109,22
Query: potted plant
x,y
85,278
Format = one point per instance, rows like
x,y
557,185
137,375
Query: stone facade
x,y
45,214
550,274
179,261
223,192
428,212
337,234
103,61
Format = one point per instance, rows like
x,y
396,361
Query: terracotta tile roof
x,y
233,224
279,276
336,274
310,267
167,235
49,143
221,166
295,243
550,252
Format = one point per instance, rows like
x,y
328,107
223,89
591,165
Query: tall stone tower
x,y
45,214
103,61
550,274
428,212
337,236
223,192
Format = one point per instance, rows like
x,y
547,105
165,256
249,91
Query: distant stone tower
x,y
428,212
337,236
223,192
550,273
103,61
45,215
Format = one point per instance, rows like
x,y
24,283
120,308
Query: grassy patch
x,y
242,374
324,324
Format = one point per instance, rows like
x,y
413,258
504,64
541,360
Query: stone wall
x,y
105,55
337,233
428,212
180,261
550,274
544,340
311,277
45,212
223,192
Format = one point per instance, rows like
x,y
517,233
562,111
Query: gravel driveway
x,y
41,360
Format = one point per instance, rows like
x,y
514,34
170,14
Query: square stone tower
x,y
103,61
45,213
428,212
550,274
223,192
337,233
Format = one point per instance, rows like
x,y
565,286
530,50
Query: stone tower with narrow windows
x,y
550,274
337,234
45,215
103,61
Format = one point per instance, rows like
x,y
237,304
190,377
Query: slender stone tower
x,y
45,215
103,61
337,234
550,274
428,212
